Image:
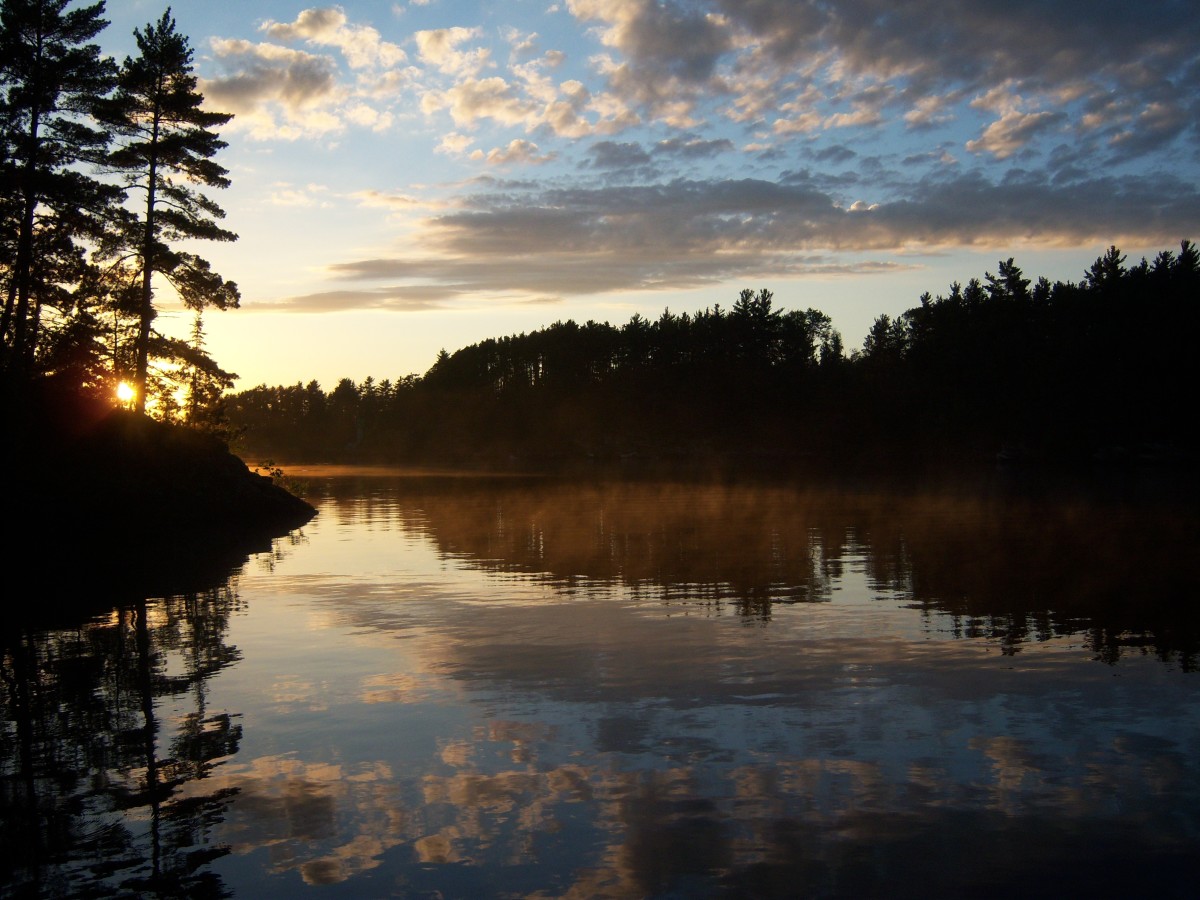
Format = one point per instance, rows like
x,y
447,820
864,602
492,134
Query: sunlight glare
x,y
125,392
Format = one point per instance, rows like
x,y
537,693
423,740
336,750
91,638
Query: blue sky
x,y
417,175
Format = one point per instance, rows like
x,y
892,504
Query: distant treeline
x,y
1065,371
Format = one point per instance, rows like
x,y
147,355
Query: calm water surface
x,y
468,688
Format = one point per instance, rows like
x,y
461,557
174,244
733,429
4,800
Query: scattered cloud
x,y
361,45
799,65
682,142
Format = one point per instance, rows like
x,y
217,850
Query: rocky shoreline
x,y
105,501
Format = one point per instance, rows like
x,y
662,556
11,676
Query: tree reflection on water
x,y
1006,566
106,746
535,688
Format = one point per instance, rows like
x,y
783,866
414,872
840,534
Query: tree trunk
x,y
148,261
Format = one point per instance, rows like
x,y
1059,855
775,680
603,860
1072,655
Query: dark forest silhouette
x,y
999,367
101,167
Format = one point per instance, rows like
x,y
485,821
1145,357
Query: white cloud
x,y
803,123
858,115
369,117
274,91
311,195
360,44
454,144
929,111
518,152
522,45
1012,132
440,49
567,110
473,99
384,200
280,92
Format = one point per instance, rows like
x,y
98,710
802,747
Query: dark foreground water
x,y
465,688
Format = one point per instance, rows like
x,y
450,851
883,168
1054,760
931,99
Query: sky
x,y
420,175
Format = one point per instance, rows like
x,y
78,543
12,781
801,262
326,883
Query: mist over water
x,y
515,687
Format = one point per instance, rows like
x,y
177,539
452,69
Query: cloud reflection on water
x,y
612,692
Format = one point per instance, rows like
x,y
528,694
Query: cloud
x,y
408,298
859,114
975,42
454,144
440,49
311,24
518,152
387,201
929,111
1155,127
838,154
613,155
274,91
864,127
311,195
567,110
673,41
360,44
804,66
515,243
369,117
669,51
473,99
1013,131
280,92
693,148
522,45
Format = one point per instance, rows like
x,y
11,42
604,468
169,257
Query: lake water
x,y
461,687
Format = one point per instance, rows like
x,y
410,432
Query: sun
x,y
125,392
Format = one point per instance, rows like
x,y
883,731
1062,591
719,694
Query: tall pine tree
x,y
51,79
166,144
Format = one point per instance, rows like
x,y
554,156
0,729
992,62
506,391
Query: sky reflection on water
x,y
533,689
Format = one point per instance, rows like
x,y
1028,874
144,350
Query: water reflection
x,y
108,740
1005,567
518,688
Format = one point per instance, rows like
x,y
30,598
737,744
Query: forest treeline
x,y
1002,365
